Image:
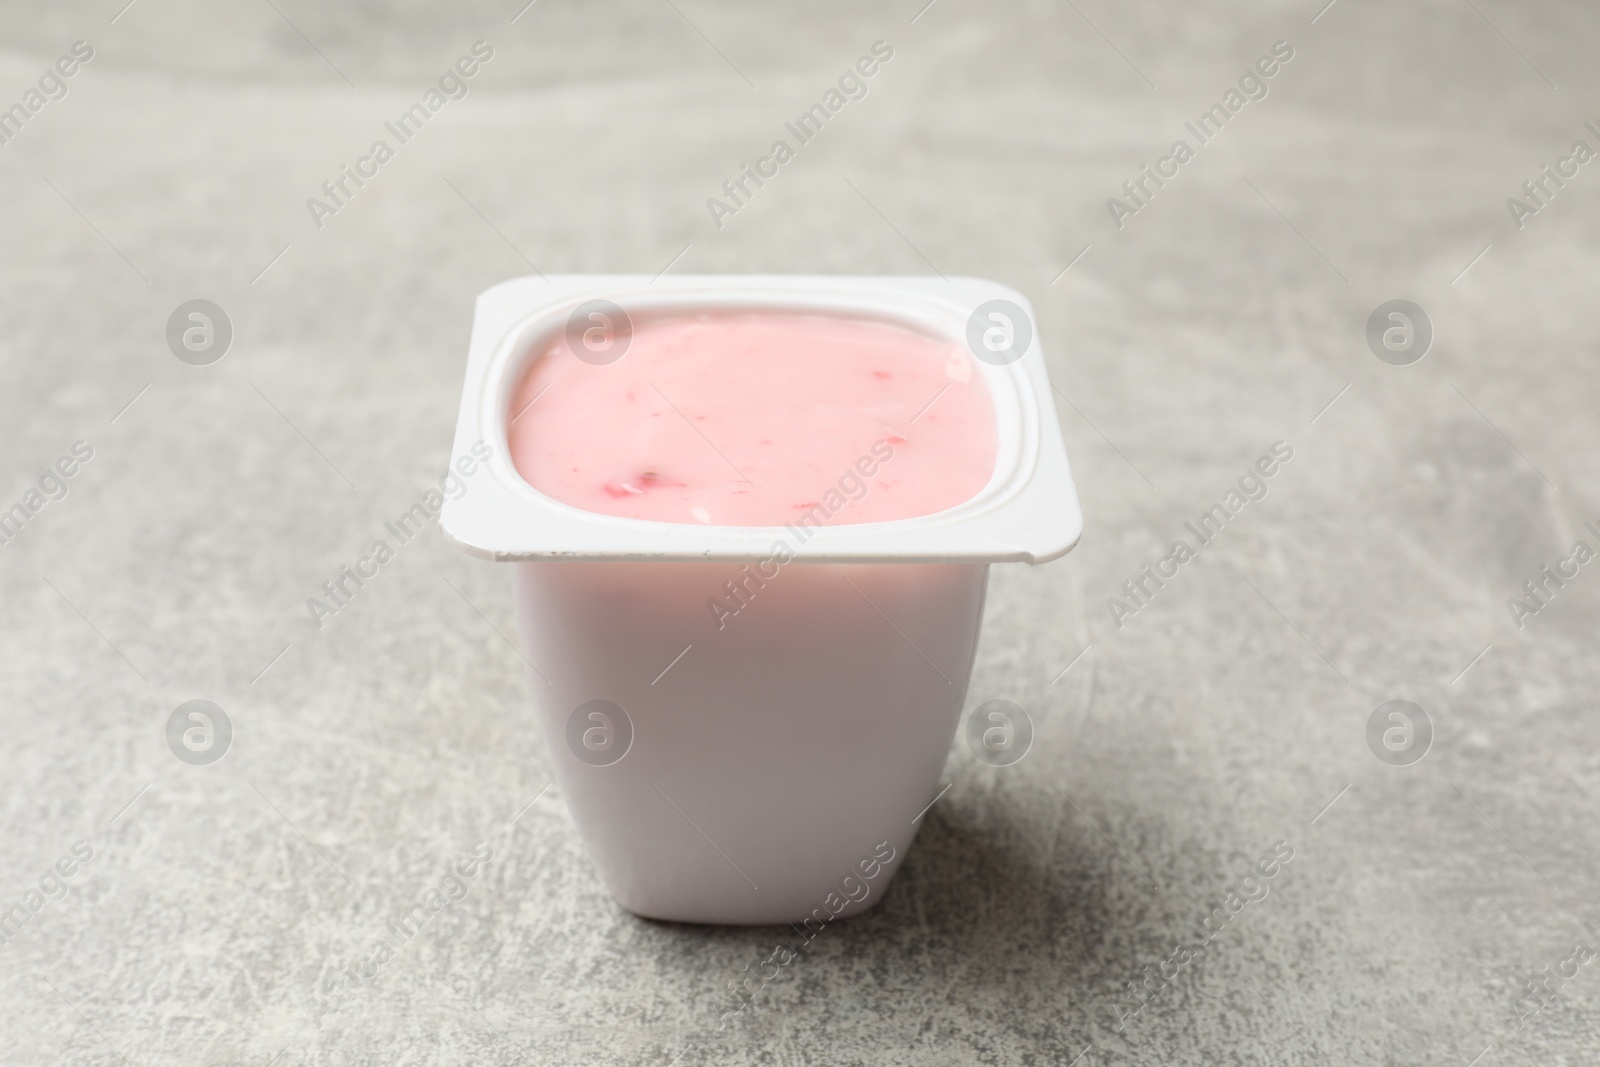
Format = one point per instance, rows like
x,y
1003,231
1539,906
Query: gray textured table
x,y
218,905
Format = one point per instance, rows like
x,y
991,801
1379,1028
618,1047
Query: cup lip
x,y
1027,512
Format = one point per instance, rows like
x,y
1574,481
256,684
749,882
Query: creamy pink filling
x,y
758,419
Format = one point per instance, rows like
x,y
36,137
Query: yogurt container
x,y
771,766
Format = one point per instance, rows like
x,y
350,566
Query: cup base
x,y
764,771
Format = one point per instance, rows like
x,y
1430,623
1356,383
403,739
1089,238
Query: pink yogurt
x,y
756,419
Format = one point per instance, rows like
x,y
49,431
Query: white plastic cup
x,y
770,766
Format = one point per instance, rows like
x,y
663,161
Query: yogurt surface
x,y
757,419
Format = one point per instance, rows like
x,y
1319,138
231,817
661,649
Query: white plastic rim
x,y
1027,513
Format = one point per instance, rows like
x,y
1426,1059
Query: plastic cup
x,y
771,766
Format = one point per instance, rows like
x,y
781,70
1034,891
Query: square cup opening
x,y
1027,510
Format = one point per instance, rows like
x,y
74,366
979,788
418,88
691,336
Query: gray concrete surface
x,y
221,902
